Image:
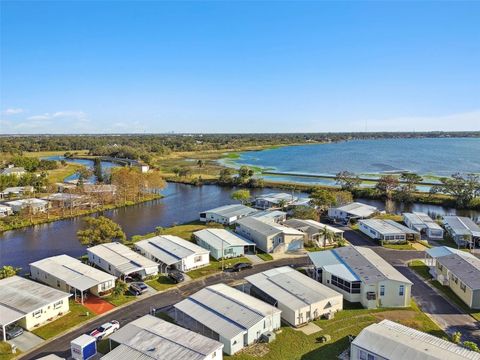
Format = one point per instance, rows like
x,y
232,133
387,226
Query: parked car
x,y
105,330
176,276
132,278
137,288
241,266
12,331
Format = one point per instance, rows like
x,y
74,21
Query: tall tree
x,y
242,195
97,169
463,187
408,185
386,185
305,212
100,230
323,199
347,180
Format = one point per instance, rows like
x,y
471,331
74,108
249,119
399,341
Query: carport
x,y
81,284
9,316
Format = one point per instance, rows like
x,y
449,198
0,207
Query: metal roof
x,y
428,221
387,227
439,251
169,249
32,201
311,226
466,268
122,258
358,209
460,225
11,170
394,341
20,296
225,310
62,197
215,238
232,210
152,338
292,288
72,271
269,215
363,263
266,228
275,198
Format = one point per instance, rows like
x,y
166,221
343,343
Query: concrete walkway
x,y
254,258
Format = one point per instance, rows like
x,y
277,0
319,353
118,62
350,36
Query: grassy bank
x,y
17,222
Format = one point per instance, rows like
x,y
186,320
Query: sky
x,y
238,67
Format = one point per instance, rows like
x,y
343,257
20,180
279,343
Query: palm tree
x,y
328,236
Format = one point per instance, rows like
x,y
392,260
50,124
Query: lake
x,y
182,203
431,157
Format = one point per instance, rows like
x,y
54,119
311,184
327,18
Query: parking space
x,y
26,341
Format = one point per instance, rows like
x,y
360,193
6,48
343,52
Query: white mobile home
x,y
393,341
387,231
120,261
270,237
227,214
5,210
320,234
361,275
462,229
424,224
354,210
227,315
16,191
275,216
274,200
71,275
433,253
152,338
172,252
300,298
33,205
29,304
223,243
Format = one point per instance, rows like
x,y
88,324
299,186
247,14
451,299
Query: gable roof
x,y
266,228
387,226
358,209
462,225
311,226
232,210
215,238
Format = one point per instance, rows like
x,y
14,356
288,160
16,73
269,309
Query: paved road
x,y
61,345
448,316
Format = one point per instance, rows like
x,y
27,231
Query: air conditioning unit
x,y
267,337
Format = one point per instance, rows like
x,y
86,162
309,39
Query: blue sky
x,y
86,67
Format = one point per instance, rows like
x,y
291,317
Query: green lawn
x,y
407,246
184,231
121,299
161,283
293,345
5,351
76,316
264,256
215,266
421,269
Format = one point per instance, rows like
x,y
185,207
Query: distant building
x,y
354,210
29,304
274,200
218,240
71,275
105,189
300,298
5,210
315,231
11,170
152,338
387,231
173,252
462,230
227,214
458,270
361,275
121,261
34,205
16,191
65,200
424,224
270,237
393,341
227,315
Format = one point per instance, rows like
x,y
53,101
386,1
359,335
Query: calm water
x,y
440,157
106,166
181,203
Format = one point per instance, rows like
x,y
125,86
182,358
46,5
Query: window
x,y
37,314
197,258
363,355
382,290
463,286
350,287
109,267
58,304
401,290
370,357
319,274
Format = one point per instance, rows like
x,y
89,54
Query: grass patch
x,y
215,266
58,175
185,231
394,217
264,256
120,299
420,268
6,351
406,246
318,248
76,316
232,155
161,283
294,345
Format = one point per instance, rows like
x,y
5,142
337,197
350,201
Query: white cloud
x,y
13,111
70,115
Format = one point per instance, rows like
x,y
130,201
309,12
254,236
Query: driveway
x,y
96,305
26,341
